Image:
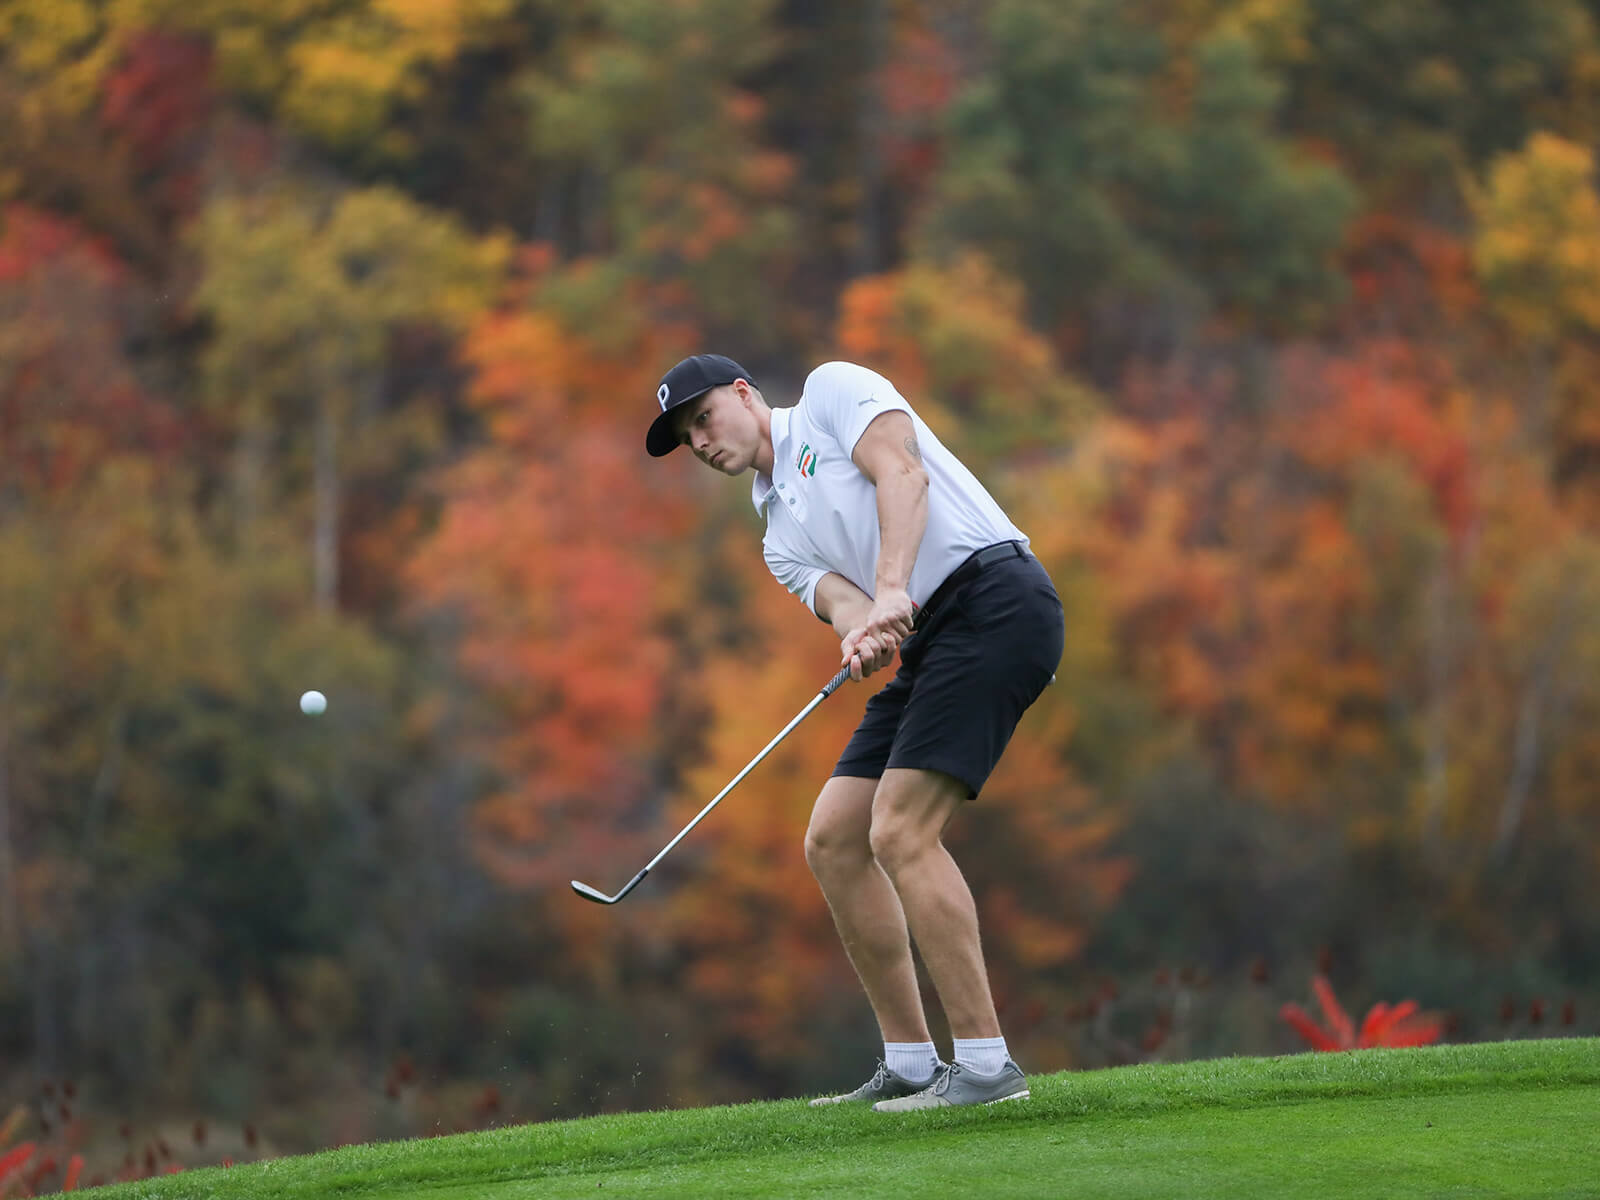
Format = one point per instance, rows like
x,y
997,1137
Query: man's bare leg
x,y
910,810
866,910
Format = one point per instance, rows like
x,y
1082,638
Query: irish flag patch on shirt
x,y
806,464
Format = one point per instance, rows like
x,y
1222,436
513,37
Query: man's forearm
x,y
902,520
841,603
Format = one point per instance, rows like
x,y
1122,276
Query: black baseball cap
x,y
694,376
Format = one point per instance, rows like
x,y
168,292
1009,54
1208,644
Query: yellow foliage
x,y
43,35
1537,249
285,270
340,67
346,78
59,47
341,92
437,30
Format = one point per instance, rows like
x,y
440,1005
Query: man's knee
x,y
836,838
891,846
909,813
823,848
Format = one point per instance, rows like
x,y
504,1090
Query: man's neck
x,y
765,455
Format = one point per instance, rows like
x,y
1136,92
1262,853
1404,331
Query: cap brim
x,y
661,440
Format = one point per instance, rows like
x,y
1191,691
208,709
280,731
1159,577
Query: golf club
x,y
599,897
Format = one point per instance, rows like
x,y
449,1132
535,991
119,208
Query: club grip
x,y
836,682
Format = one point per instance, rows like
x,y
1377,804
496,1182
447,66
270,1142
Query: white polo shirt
x,y
822,512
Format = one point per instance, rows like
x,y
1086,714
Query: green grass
x,y
1507,1119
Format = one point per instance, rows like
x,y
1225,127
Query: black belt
x,y
969,569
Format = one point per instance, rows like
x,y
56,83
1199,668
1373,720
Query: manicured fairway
x,y
1512,1119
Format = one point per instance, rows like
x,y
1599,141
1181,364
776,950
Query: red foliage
x,y
1407,275
69,398
1384,1025
1381,399
23,1172
13,1160
160,97
915,84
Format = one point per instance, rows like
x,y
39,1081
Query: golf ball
x,y
313,703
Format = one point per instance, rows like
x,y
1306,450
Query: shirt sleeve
x,y
800,578
845,398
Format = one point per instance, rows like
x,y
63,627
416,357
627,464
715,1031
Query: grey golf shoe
x,y
954,1086
884,1085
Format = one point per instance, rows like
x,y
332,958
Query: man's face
x,y
720,428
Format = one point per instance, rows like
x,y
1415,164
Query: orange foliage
x,y
1314,696
1172,595
550,545
869,316
1236,584
1379,400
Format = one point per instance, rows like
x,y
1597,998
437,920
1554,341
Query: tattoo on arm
x,y
913,449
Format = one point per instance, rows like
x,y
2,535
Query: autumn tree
x,y
1535,252
70,396
1129,216
1411,98
305,293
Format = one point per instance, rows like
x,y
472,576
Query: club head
x,y
599,897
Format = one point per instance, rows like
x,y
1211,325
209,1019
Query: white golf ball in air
x,y
313,703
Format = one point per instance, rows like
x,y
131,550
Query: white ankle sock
x,y
912,1061
982,1056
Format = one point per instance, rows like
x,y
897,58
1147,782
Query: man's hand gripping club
x,y
871,645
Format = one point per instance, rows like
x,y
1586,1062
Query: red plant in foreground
x,y
13,1163
1384,1025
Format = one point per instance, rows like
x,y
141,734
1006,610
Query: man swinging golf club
x,y
884,534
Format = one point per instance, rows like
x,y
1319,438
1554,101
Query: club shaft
x,y
805,712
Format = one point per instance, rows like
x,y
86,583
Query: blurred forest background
x,y
329,331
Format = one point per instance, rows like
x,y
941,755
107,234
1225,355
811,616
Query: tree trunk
x,y
250,469
325,539
1436,744
105,783
870,251
10,925
1538,697
1524,764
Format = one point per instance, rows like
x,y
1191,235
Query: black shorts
x,y
983,651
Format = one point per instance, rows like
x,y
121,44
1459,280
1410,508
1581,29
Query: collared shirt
x,y
822,512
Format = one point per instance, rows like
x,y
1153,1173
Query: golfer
x,y
883,534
